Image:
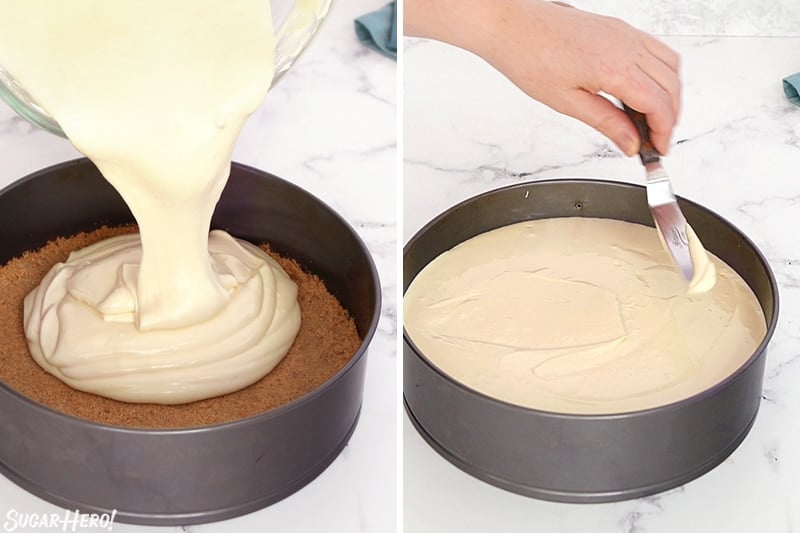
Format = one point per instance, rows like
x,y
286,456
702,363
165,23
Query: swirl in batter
x,y
155,94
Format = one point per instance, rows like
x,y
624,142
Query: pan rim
x,y
253,419
676,405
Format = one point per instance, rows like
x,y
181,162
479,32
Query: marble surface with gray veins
x,y
329,125
736,151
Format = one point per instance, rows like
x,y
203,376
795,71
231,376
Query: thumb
x,y
605,117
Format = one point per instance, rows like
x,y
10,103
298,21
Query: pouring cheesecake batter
x,y
154,93
578,315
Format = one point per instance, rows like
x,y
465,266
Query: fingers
x,y
655,92
660,104
658,88
665,76
583,55
641,92
663,52
605,117
644,73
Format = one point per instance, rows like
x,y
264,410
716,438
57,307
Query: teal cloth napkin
x,y
791,86
378,30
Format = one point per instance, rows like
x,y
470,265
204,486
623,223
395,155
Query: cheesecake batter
x,y
579,315
705,273
154,93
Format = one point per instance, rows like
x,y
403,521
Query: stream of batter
x,y
154,93
580,315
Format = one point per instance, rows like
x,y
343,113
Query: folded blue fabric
x,y
378,30
791,86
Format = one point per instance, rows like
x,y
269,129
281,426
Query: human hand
x,y
565,57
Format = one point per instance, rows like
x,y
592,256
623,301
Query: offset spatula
x,y
661,199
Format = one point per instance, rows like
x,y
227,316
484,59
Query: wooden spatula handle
x,y
647,151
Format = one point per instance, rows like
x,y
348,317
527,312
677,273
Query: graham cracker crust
x,y
326,341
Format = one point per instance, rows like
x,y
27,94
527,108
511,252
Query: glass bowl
x,y
296,23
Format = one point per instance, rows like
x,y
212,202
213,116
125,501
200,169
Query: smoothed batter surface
x,y
579,315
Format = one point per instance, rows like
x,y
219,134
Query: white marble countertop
x,y
330,126
736,151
